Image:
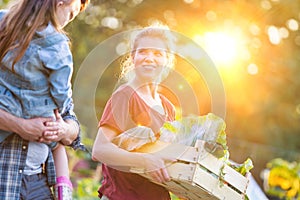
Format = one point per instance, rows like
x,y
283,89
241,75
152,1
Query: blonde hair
x,y
19,25
154,31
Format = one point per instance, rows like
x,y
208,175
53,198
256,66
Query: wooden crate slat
x,y
176,189
181,152
198,192
231,176
236,179
212,184
182,171
195,175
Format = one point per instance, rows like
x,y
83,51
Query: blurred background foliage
x,y
255,46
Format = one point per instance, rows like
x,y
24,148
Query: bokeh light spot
x,y
188,1
292,24
110,22
211,15
180,87
274,35
121,48
252,69
283,32
254,29
266,4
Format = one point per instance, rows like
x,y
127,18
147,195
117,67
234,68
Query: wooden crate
x,y
196,173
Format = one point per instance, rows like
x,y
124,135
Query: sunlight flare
x,y
221,47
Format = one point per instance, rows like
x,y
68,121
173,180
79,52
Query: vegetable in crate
x,y
209,128
186,131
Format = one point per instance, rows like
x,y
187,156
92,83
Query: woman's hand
x,y
155,167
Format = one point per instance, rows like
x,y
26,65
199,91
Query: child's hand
x,y
55,130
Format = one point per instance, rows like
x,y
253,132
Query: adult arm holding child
x,y
41,129
28,129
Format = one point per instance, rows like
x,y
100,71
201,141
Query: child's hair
x,y
154,31
24,17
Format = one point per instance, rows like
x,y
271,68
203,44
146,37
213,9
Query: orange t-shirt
x,y
123,111
126,109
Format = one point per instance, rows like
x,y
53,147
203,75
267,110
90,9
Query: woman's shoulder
x,y
124,93
124,89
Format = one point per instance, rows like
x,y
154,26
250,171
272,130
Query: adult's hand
x,y
155,167
28,129
60,130
32,129
55,130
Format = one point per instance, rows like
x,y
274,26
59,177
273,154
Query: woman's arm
x,y
108,153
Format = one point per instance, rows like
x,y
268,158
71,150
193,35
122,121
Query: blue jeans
x,y
35,187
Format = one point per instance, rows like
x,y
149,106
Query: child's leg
x,y
60,161
63,188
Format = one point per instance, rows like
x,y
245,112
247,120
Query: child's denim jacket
x,y
41,80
